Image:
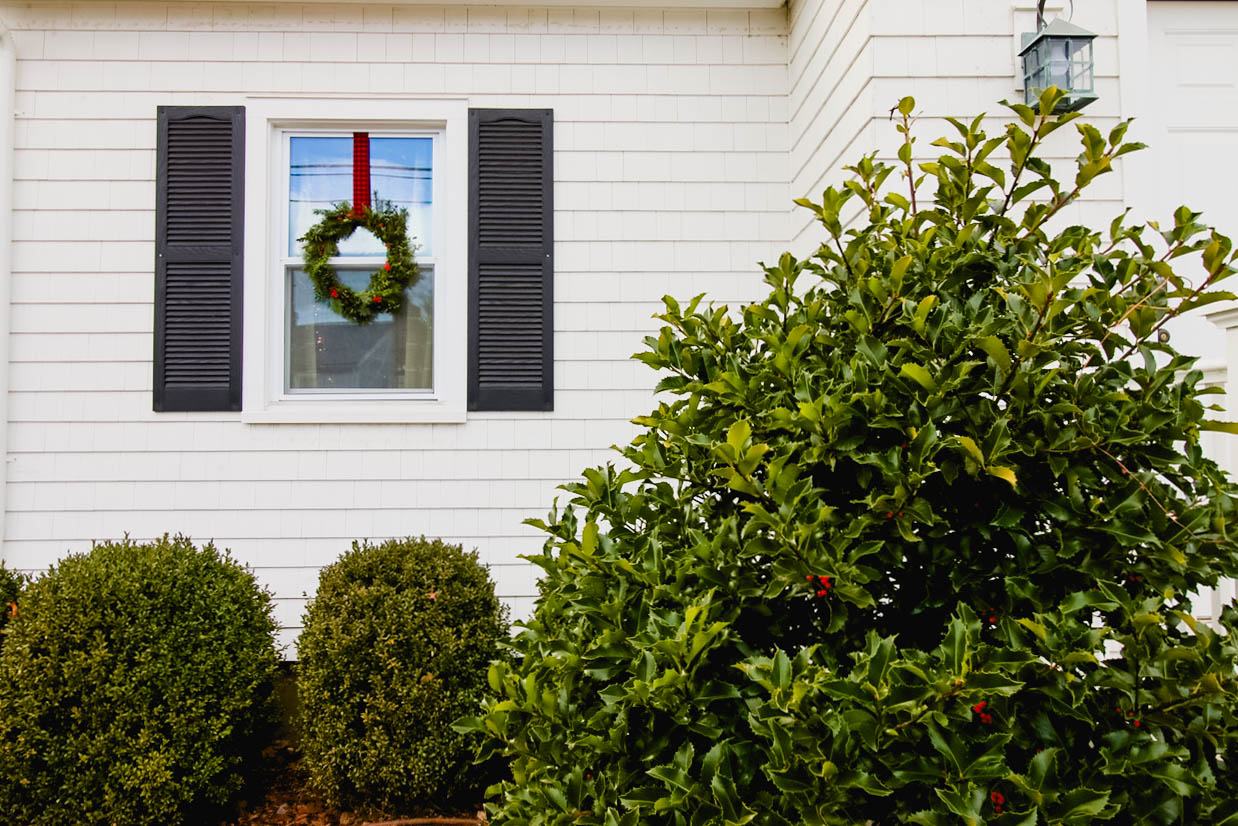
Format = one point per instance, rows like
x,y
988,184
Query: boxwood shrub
x,y
395,648
10,587
134,683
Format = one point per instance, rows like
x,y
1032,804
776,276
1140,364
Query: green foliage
x,y
394,650
134,684
913,541
10,587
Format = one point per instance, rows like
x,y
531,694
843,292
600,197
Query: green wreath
x,y
385,292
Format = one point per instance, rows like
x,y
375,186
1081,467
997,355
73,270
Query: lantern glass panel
x,y
1082,71
1064,62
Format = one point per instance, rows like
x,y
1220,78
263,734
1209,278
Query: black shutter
x,y
198,250
511,259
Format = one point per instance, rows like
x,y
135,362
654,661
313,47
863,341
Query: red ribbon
x,y
360,172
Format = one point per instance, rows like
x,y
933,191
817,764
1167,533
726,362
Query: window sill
x,y
336,411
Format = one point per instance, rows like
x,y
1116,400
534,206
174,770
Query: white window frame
x,y
269,122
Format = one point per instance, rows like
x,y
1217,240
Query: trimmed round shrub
x,y
395,649
134,684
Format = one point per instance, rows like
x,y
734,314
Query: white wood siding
x,y
851,61
671,177
681,137
829,99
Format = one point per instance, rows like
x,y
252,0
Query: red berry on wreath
x,y
335,293
387,266
377,298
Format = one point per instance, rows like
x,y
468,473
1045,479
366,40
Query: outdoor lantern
x,y
1060,55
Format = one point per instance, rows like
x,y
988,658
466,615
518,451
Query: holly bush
x,y
914,539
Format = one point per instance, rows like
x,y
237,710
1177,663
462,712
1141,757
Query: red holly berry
x,y
335,293
377,298
979,707
889,514
1135,724
822,593
998,798
810,577
986,718
387,266
825,580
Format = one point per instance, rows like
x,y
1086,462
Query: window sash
x,y
380,392
286,263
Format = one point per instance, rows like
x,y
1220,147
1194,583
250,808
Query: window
x,y
324,352
236,325
315,365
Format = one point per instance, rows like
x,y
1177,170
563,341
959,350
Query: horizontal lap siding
x,y
671,148
852,60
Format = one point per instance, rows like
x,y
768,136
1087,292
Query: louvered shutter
x,y
198,250
511,259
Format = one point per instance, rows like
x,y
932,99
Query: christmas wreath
x,y
385,292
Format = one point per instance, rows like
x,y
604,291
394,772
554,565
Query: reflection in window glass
x,y
320,176
328,352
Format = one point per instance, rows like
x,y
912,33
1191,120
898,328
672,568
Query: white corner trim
x,y
1224,315
8,81
263,397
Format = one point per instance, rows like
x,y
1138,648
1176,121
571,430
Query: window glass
x,y
320,176
327,352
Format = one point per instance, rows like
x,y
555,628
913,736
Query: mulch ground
x,y
282,797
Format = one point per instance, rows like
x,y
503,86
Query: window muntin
x,y
324,352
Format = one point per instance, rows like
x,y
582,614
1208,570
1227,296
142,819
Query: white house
x,y
166,369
